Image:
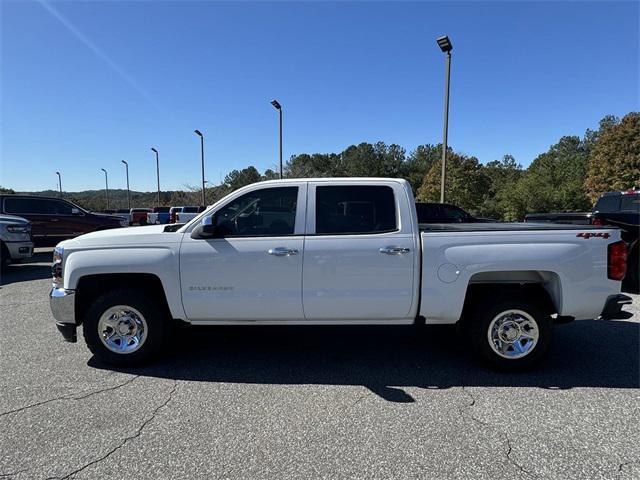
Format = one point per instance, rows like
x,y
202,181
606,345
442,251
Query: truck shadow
x,y
387,359
37,267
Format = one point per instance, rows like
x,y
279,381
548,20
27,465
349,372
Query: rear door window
x,y
630,203
355,210
33,206
608,203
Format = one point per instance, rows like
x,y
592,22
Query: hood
x,y
12,219
128,236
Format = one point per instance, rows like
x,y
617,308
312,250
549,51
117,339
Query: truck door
x,y
252,269
359,257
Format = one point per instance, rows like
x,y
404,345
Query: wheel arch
x,y
542,287
91,286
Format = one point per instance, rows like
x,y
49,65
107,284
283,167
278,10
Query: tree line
x,y
569,176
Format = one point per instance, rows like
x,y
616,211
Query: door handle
x,y
282,251
394,250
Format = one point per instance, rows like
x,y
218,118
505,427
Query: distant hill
x,y
95,200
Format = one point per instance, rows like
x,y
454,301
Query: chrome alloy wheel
x,y
122,329
513,334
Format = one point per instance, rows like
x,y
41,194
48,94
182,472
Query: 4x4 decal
x,y
588,235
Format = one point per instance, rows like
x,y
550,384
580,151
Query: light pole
x,y
106,183
278,107
157,171
199,133
126,166
445,45
59,183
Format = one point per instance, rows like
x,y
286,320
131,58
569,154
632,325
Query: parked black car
x,y
54,219
622,210
445,213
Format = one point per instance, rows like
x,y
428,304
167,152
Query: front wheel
x,y
511,334
124,327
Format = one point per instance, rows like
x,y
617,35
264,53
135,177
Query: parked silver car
x,y
15,239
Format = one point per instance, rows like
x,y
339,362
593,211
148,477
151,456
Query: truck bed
x,y
503,227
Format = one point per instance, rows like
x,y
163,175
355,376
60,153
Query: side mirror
x,y
206,229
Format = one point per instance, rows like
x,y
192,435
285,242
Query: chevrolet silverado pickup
x,y
340,252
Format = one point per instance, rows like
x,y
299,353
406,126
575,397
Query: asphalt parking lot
x,y
312,402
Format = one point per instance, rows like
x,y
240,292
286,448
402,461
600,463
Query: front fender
x,y
163,262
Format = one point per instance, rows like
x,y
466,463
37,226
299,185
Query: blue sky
x,y
87,84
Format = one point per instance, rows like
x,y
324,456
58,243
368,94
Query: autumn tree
x,y
614,162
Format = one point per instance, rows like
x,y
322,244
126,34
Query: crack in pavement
x,y
13,474
624,464
126,439
504,435
71,397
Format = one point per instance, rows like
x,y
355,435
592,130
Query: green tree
x,y
419,162
314,165
503,175
377,160
466,183
553,182
614,162
239,178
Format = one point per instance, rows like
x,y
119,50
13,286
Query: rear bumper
x,y
613,307
62,303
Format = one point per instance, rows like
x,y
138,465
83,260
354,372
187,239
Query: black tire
x,y
479,323
155,316
142,222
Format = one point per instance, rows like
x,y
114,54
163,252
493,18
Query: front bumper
x,y
613,307
20,250
63,308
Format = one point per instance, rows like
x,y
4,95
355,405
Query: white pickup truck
x,y
335,251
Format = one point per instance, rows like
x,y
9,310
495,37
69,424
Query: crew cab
x,y
158,215
335,251
55,219
188,213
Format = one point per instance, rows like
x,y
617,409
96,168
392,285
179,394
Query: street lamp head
x,y
124,162
444,43
276,104
58,173
154,150
198,132
103,170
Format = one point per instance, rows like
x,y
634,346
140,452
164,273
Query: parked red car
x,y
138,216
54,219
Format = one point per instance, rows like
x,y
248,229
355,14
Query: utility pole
x,y
126,166
106,183
278,107
157,171
199,133
445,45
59,183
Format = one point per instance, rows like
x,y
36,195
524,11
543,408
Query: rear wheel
x,y
124,327
510,334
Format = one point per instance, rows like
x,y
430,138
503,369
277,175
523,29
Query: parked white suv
x,y
339,251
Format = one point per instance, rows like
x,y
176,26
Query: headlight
x,y
18,228
56,268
